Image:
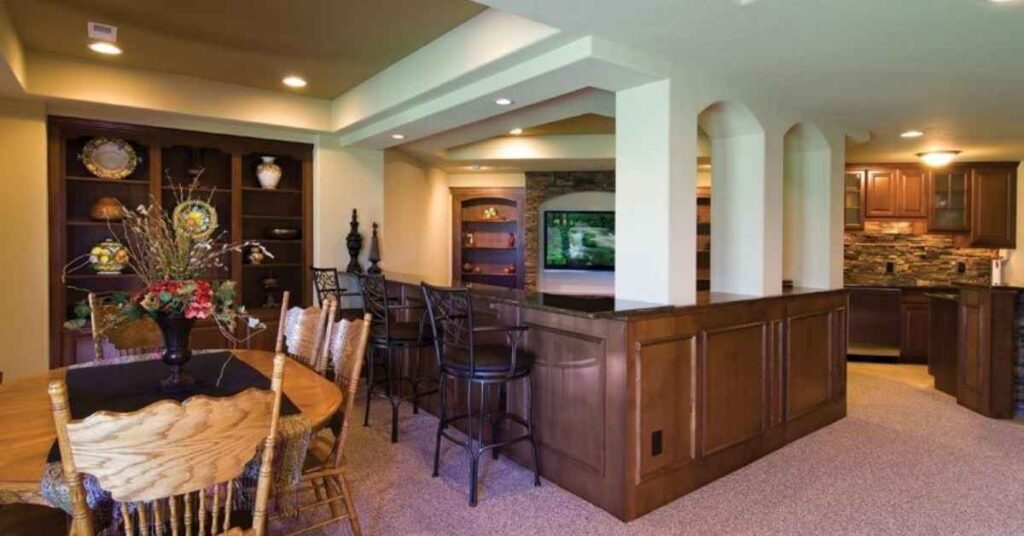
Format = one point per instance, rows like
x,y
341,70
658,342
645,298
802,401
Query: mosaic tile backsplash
x,y
921,259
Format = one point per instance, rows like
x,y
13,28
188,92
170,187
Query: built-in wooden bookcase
x,y
703,239
244,210
487,236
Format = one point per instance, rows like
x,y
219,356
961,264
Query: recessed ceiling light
x,y
104,47
912,134
294,81
938,158
516,131
503,101
398,136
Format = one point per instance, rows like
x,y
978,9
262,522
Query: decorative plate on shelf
x,y
195,218
109,158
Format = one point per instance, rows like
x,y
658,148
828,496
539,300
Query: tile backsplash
x,y
916,258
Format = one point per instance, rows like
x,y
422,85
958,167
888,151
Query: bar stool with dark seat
x,y
327,283
461,358
399,343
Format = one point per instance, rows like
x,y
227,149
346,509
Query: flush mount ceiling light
x,y
938,158
398,136
516,131
503,101
294,81
912,134
103,47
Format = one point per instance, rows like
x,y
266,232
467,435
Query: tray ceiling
x,y
333,44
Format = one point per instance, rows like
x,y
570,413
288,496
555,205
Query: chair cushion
x,y
491,359
406,332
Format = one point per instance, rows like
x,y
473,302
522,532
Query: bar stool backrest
x,y
451,321
374,289
327,283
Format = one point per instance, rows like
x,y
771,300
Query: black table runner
x,y
132,386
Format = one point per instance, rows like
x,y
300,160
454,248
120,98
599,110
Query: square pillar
x,y
655,196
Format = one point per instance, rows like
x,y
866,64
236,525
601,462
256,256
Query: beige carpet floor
x,y
906,460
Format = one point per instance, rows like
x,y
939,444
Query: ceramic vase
x,y
256,255
108,257
268,173
176,331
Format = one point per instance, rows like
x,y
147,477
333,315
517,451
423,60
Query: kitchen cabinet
x,y
896,192
853,200
912,193
880,193
948,208
889,322
913,327
993,203
874,324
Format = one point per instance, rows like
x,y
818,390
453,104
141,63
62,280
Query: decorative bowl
x,y
107,209
283,234
108,257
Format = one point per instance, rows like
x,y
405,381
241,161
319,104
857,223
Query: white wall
x,y
574,281
806,207
417,207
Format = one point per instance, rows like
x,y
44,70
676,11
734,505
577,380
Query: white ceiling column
x,y
655,196
746,202
811,202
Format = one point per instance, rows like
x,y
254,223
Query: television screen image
x,y
579,240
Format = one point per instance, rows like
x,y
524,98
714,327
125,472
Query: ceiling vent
x,y
102,32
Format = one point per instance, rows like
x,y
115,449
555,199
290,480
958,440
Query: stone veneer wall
x,y
920,258
541,186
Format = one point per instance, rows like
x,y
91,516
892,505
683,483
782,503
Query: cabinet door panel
x,y
993,207
911,196
949,194
914,332
881,193
853,200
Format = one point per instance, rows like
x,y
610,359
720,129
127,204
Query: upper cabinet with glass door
x,y
853,200
948,210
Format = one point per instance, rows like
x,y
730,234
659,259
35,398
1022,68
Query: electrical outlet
x,y
890,267
961,268
656,443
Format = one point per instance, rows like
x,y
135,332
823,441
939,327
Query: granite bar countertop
x,y
596,306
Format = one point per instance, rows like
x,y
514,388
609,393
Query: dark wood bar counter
x,y
638,404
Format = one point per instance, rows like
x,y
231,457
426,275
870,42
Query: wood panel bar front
x,y
634,409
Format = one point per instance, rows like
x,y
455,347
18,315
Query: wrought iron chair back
x,y
451,321
374,289
326,283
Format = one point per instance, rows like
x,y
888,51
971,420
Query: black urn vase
x,y
176,331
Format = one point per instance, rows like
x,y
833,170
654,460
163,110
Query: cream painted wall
x,y
417,207
24,322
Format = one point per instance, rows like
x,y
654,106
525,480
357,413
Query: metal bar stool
x,y
461,358
327,283
395,340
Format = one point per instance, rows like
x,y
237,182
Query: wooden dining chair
x,y
300,333
324,472
134,338
171,463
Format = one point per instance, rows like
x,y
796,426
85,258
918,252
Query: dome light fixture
x,y
912,134
294,81
516,131
503,101
938,158
398,136
104,47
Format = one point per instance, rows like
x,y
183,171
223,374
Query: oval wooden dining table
x,y
27,432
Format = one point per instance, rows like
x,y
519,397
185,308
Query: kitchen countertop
x,y
598,306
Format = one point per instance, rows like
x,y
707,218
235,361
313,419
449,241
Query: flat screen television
x,y
579,240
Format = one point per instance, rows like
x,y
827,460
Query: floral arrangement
x,y
178,257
